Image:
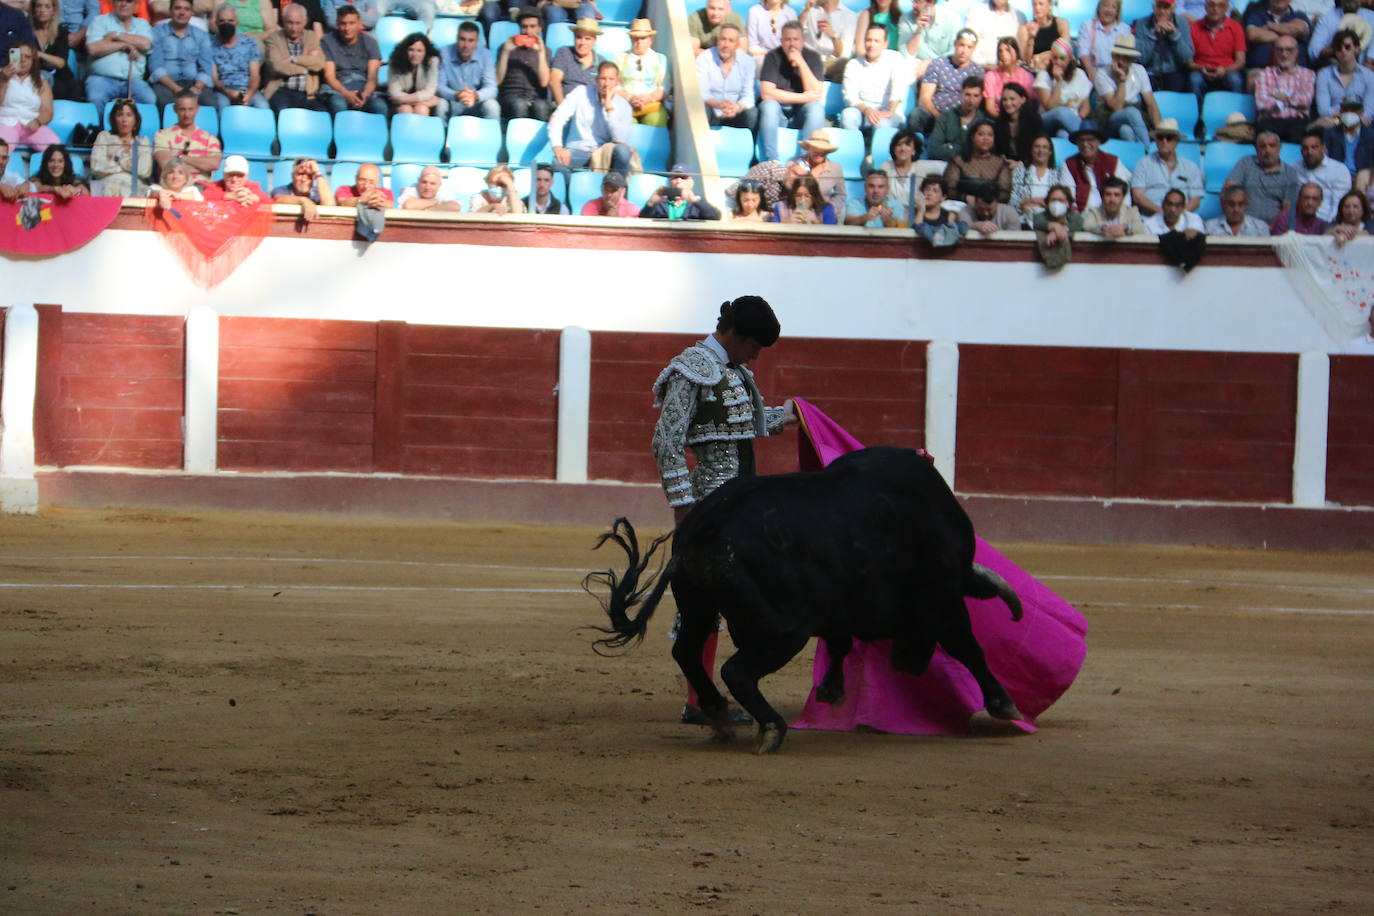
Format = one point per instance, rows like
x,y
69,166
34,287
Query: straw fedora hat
x,y
819,141
587,24
642,28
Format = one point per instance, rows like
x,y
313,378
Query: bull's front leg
x,y
831,688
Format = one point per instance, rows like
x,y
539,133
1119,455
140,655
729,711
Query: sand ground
x,y
229,713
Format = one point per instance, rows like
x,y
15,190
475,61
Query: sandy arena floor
x,y
261,714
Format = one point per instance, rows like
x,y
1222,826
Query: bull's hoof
x,y
830,693
770,738
1004,709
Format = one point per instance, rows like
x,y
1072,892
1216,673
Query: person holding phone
x,y
522,71
25,100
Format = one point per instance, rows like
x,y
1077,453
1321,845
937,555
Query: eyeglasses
x,y
750,185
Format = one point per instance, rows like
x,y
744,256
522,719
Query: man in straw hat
x,y
575,64
828,173
644,76
1123,87
1163,170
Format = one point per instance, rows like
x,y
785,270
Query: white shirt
x,y
880,84
443,195
1072,93
842,20
1186,220
1334,179
1137,81
989,26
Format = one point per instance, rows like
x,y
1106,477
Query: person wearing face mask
x,y
1054,227
236,63
499,197
1351,141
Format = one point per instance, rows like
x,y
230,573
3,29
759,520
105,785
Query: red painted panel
x,y
122,330
112,423
295,425
1350,435
994,419
344,396
122,362
159,454
497,403
302,364
296,334
1015,478
124,393
442,340
482,432
480,462
529,374
313,455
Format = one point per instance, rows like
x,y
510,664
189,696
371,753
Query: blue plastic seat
x,y
1078,12
360,135
389,31
614,40
403,175
474,141
855,190
787,144
559,35
734,150
66,115
583,187
1216,106
78,164
1063,149
303,132
526,139
281,175
834,100
207,118
1219,159
152,120
1131,10
343,174
465,181
500,31
642,186
444,32
1192,151
1210,208
653,145
248,131
621,10
880,145
850,154
416,138
1182,107
1128,151
856,6
1290,153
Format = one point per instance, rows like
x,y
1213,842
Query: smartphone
x,y
15,56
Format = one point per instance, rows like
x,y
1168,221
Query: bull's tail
x,y
981,582
626,590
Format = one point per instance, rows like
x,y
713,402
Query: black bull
x,y
873,547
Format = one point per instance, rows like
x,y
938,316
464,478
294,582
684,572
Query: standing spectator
x,y
977,167
1031,183
1064,90
198,149
575,64
601,124
429,193
236,63
1008,72
25,102
467,75
764,27
14,28
522,72
1113,218
54,174
886,13
926,33
50,38
990,21
703,26
1017,124
900,168
644,76
1352,221
828,174
947,136
541,199
295,63
413,77
1265,24
499,196
309,188
679,201
117,44
235,185
828,29
1270,183
351,61
1039,33
1234,221
612,201
180,57
943,82
790,90
726,78
878,209
987,215
804,205
1302,217
1165,42
748,204
1218,51
1344,80
1090,168
1098,36
1351,141
1163,170
1326,173
874,85
114,151
1284,93
1123,87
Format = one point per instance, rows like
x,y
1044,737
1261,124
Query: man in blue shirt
x,y
180,58
467,76
118,44
237,63
727,82
76,18
598,117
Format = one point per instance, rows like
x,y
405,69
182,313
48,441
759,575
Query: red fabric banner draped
x,y
211,239
53,225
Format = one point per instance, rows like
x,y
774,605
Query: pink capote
x,y
1036,659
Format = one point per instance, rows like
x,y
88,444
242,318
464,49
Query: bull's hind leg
x,y
696,627
831,688
957,639
742,673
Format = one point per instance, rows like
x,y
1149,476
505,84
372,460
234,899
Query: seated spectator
x,y
199,149
703,26
118,45
791,91
1270,183
11,183
875,85
1008,72
1234,221
748,205
1097,36
726,78
295,63
1345,80
1346,15
885,13
1218,51
1165,42
236,63
1317,168
235,185
1113,218
351,61
950,129
944,81
1265,23
429,193
926,33
1123,88
309,188
76,17
499,196
1034,40
1174,216
828,29
176,183
1017,124
900,168
829,175
1090,168
522,71
575,65
877,209
679,200
1064,90
644,76
1302,217
1054,227
180,58
1030,183
804,204
413,77
977,167
773,179
932,219
1284,93
315,21
26,102
541,199
987,215
1352,218
50,43
1351,141
612,201
369,11
467,75
1162,169
764,26
255,18
366,190
601,125
114,151
990,21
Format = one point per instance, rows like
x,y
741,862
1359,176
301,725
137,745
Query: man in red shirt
x,y
612,201
1218,51
235,185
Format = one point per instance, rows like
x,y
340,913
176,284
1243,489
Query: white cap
x,y
236,164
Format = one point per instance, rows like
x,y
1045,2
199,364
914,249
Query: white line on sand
x,y
299,588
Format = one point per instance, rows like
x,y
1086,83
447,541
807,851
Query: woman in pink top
x,y
1008,70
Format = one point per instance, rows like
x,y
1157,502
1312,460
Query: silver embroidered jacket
x,y
709,406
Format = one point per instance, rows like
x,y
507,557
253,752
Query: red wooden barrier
x,y
1349,433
